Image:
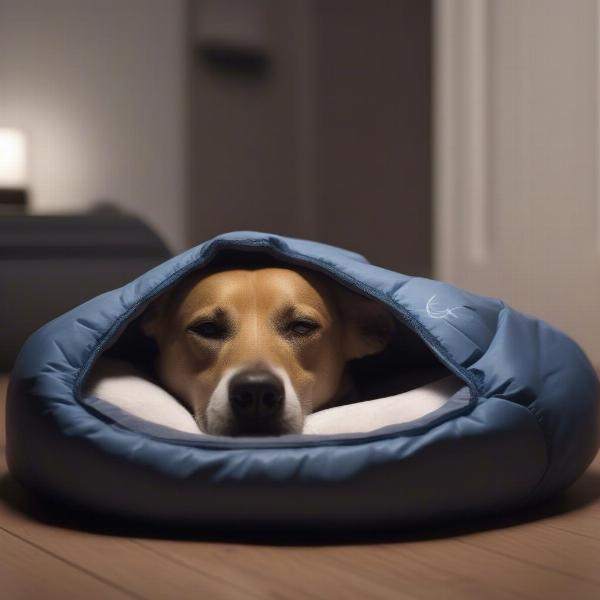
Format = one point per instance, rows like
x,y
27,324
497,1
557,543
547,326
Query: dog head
x,y
252,351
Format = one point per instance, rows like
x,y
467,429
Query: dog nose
x,y
255,396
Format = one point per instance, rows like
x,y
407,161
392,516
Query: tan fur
x,y
257,306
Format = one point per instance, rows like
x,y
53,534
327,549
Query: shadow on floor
x,y
584,492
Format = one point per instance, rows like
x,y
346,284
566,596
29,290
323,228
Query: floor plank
x,y
545,546
542,554
26,571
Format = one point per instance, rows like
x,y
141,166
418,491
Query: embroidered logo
x,y
435,312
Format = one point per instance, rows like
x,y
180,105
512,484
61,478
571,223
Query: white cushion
x,y
120,384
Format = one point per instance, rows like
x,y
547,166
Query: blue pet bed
x,y
524,426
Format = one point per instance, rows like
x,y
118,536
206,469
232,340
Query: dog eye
x,y
209,329
302,327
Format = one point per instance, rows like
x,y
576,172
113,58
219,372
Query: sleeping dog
x,y
253,351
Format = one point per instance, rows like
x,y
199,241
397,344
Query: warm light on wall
x,y
13,169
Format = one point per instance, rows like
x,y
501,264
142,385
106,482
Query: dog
x,y
253,351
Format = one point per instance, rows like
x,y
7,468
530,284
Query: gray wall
x,y
100,88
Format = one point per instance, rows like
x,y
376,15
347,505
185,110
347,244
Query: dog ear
x,y
151,318
367,325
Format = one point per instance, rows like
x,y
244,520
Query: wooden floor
x,y
546,553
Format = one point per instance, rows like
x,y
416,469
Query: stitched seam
x,y
548,447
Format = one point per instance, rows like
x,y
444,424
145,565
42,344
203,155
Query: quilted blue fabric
x,y
525,426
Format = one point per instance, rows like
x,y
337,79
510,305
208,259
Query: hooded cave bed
x,y
522,424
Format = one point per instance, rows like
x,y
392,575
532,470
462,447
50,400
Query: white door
x,y
517,178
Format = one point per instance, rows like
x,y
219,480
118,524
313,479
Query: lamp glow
x,y
13,171
13,159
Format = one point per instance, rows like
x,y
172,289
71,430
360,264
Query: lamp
x,y
13,170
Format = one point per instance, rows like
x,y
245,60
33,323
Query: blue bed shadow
x,y
583,493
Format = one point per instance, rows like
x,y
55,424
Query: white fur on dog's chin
x,y
218,417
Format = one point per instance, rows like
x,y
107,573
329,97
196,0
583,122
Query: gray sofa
x,y
50,264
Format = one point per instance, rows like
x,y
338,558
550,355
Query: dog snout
x,y
256,398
